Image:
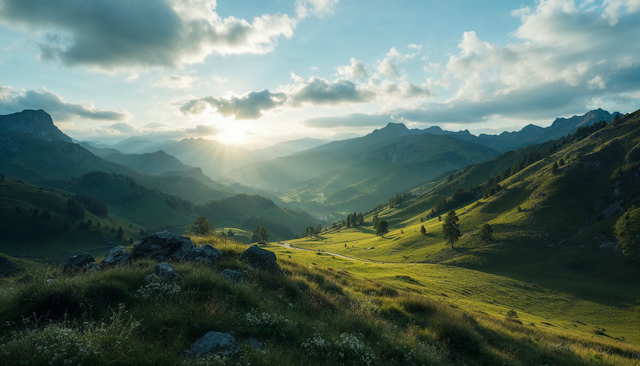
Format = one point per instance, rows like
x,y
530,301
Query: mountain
x,y
360,172
291,147
37,124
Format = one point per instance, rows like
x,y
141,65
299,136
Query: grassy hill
x,y
553,231
318,314
28,232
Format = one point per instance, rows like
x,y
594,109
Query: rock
x,y
612,209
260,258
161,246
231,275
94,267
78,262
205,253
166,272
7,267
222,344
116,257
254,343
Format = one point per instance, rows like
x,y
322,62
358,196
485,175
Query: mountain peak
x,y
35,123
392,128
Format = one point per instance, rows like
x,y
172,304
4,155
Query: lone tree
x,y
263,234
423,231
486,234
230,234
554,168
451,228
382,228
201,226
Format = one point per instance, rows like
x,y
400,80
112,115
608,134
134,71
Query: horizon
x,y
284,77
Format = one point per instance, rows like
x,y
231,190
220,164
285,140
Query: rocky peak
x,y
35,123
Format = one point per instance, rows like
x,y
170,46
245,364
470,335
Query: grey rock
x,y
612,209
254,343
161,246
79,262
116,257
7,267
222,344
94,267
166,272
205,253
35,123
260,258
231,275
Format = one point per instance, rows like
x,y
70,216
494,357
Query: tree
x,y
230,234
616,121
318,228
561,162
423,231
554,168
120,233
382,228
439,218
349,221
375,221
486,234
451,228
263,234
201,226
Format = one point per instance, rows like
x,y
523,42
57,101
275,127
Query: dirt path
x,y
288,246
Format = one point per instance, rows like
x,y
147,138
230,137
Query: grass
x,y
333,312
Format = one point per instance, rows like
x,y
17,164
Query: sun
x,y
232,135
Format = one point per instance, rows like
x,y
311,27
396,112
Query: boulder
x,y
260,258
217,343
7,267
161,246
166,272
116,257
231,275
254,343
205,253
79,262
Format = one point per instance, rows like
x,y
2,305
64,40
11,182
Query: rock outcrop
x,y
82,261
231,275
162,246
257,257
7,267
166,272
116,257
35,123
217,343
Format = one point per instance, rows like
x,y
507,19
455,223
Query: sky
x,y
254,73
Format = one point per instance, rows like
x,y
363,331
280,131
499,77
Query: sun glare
x,y
232,135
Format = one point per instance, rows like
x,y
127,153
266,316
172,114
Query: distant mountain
x,y
291,147
151,163
359,172
37,124
532,134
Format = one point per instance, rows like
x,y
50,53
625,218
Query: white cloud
x,y
354,71
12,101
415,46
181,32
177,81
305,8
614,9
313,68
597,82
387,68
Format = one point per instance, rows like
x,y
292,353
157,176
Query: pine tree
x,y
382,228
230,234
201,226
554,168
423,231
486,234
264,234
318,228
451,228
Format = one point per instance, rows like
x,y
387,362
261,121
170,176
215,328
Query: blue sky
x,y
255,72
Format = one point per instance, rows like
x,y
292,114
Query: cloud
x,y
305,8
203,130
12,101
354,71
415,46
387,68
250,105
177,82
314,91
350,120
123,127
313,68
118,34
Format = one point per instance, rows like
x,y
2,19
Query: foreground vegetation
x,y
309,315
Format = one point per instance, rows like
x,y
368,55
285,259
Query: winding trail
x,y
288,246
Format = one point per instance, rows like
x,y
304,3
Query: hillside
x,y
309,314
361,172
27,231
559,231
